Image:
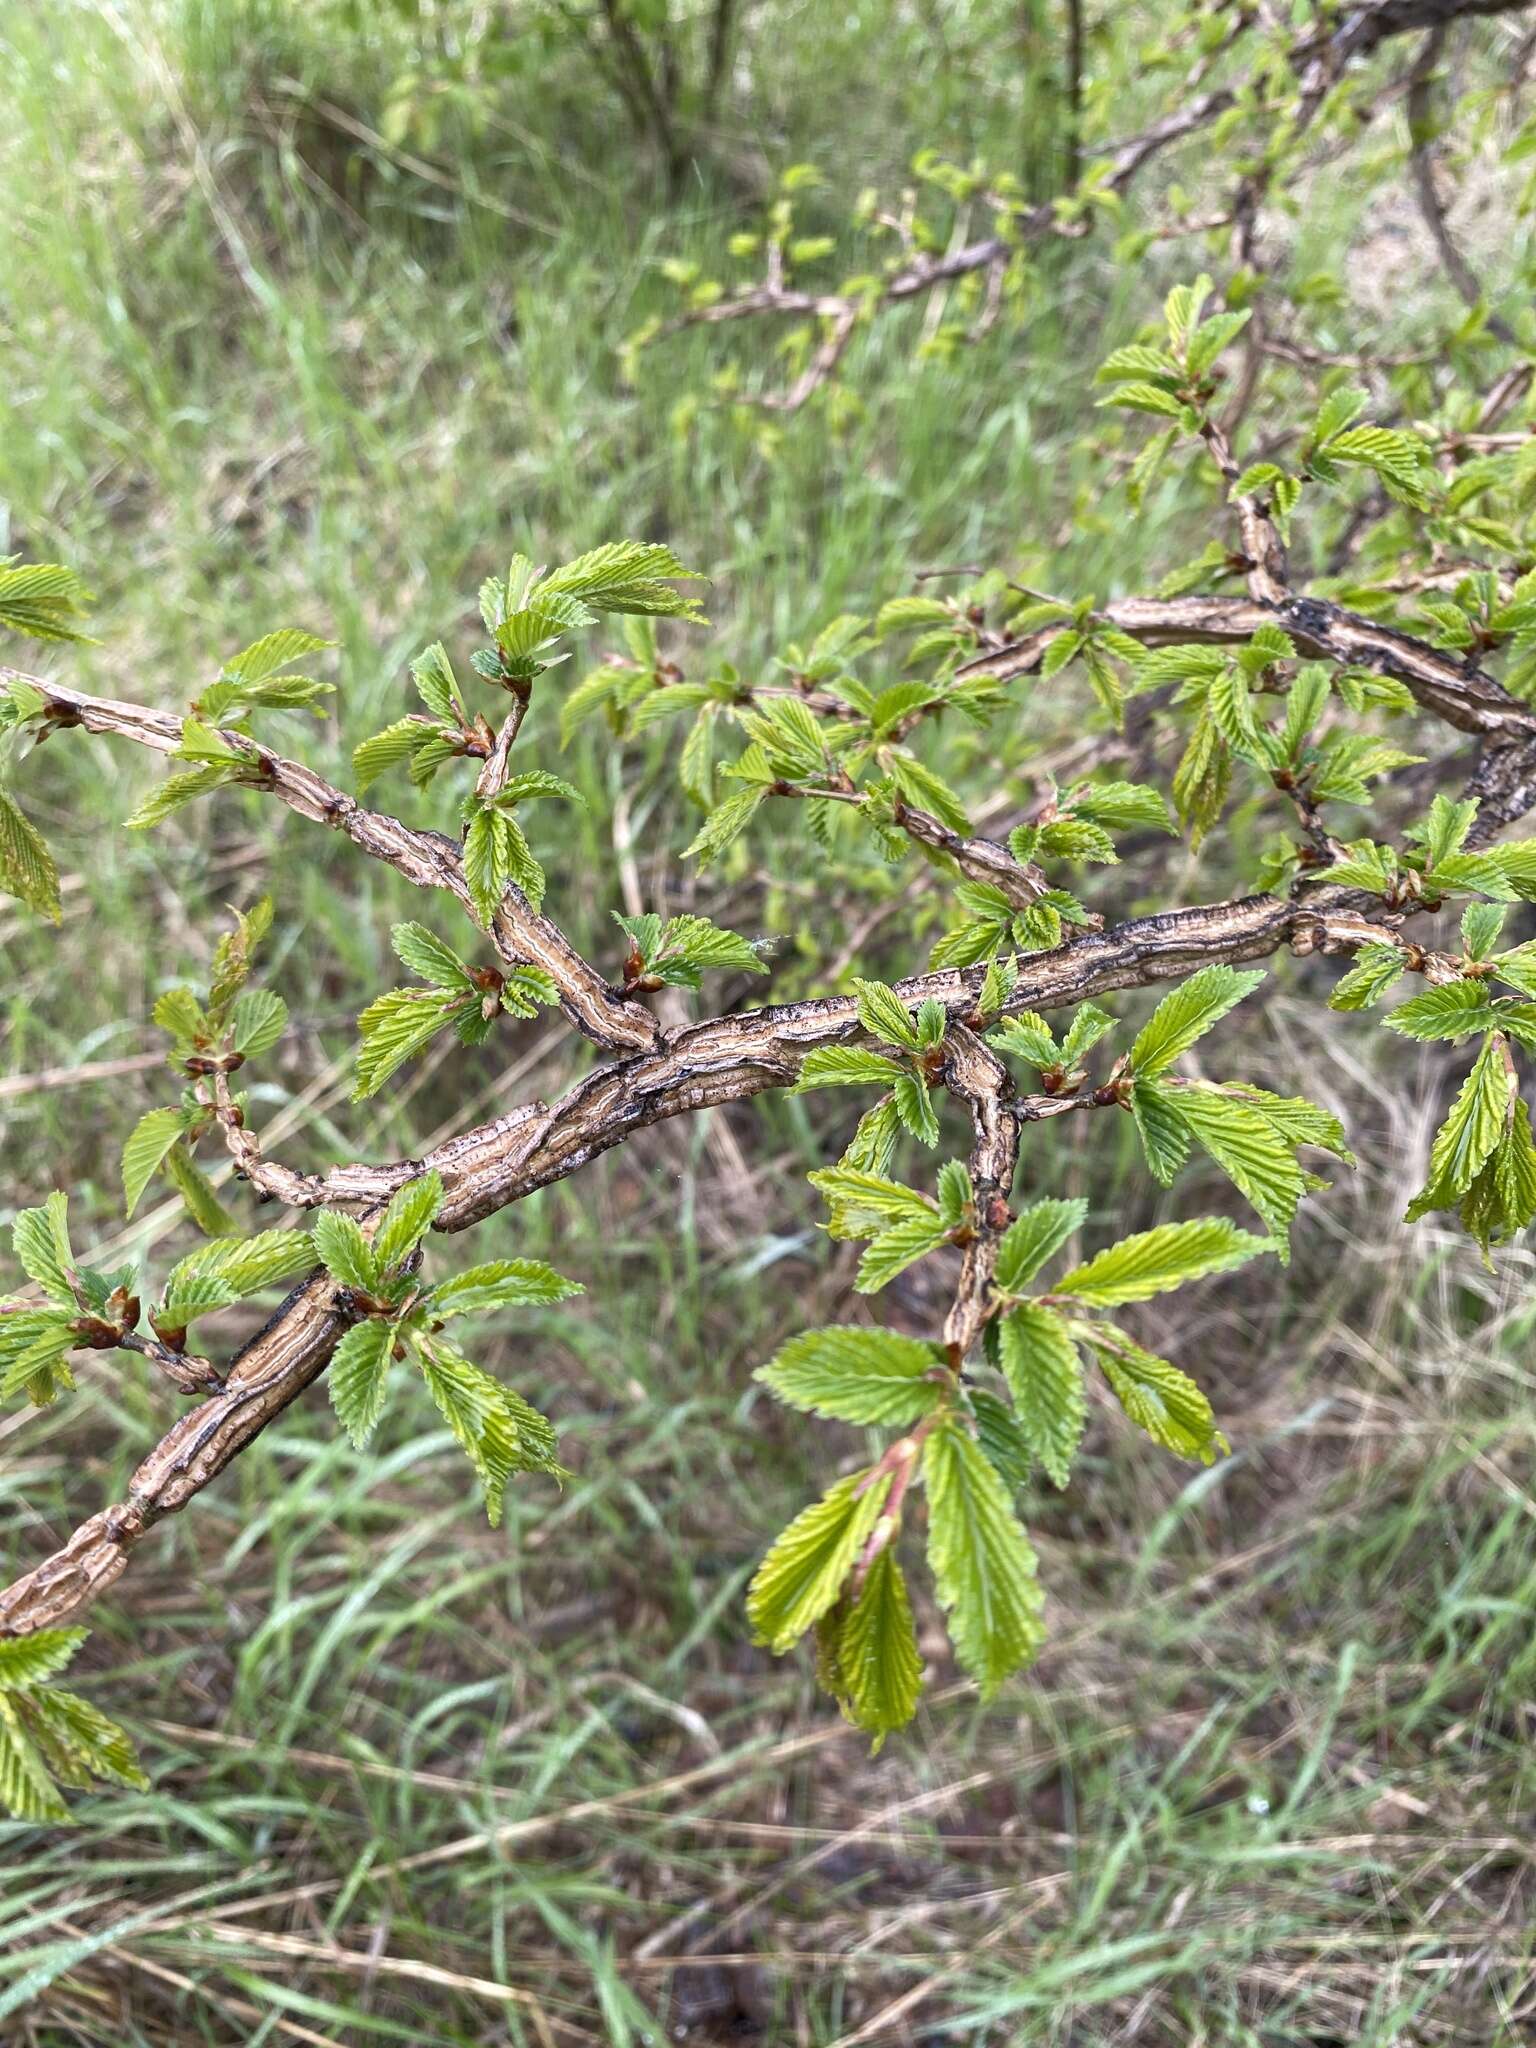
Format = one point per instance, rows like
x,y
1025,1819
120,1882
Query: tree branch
x,y
428,859
726,1059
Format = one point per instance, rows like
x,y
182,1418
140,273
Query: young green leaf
x,y
1156,1261
983,1563
1453,1009
358,1377
346,1253
804,1571
1470,1132
1034,1237
878,1665
1251,1152
40,1240
28,870
845,1066
501,1283
1045,1378
1187,1014
407,1220
143,1155
884,1015
1156,1396
914,1105
394,1027
856,1375
1376,969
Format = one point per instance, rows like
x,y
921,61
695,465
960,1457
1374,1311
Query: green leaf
x,y
1453,1009
230,1269
1470,1132
499,1433
725,823
627,576
862,1202
1481,924
845,1066
394,1027
1376,969
1156,1261
1253,1155
178,790
34,1344
803,1573
43,599
1045,1377
1121,806
1145,398
1187,1014
40,1240
347,1255
27,869
884,1015
702,944
407,1220
385,750
501,1283
258,1021
1156,1396
1030,1037
76,1741
1445,828
856,1375
1035,1236
436,685
274,651
983,1563
914,1105
359,1375
879,1668
891,1251
1162,1130
425,954
143,1155
197,1193
1001,1437
31,1660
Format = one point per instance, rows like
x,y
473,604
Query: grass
x,y
416,1780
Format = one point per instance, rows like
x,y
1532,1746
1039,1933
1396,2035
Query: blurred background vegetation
x,y
312,314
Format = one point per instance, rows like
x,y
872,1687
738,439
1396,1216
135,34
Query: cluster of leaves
x,y
1482,1163
1476,614
1072,825
233,1023
402,1317
215,737
818,732
1174,379
905,1072
1297,754
45,601
1437,862
674,953
83,1309
835,1568
527,613
396,1025
50,1737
